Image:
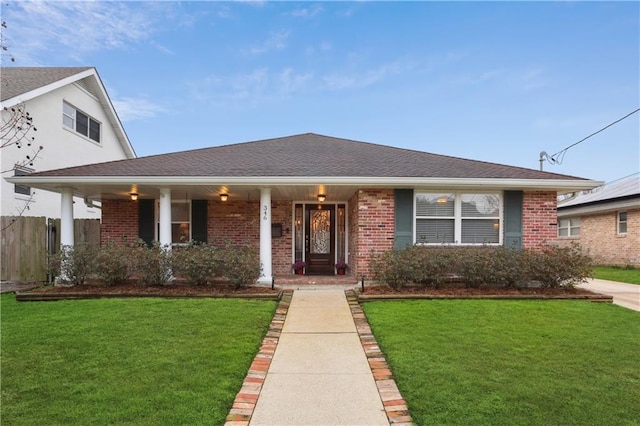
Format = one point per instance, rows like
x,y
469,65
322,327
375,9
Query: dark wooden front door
x,y
320,239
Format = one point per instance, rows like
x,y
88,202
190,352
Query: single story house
x,y
314,198
605,222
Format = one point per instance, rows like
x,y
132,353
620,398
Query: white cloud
x,y
360,79
306,12
275,41
73,28
130,109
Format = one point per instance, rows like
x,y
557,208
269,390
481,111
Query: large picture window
x,y
457,218
80,122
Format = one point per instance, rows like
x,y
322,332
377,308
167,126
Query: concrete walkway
x,y
626,295
319,374
319,364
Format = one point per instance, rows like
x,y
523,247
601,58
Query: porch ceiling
x,y
201,192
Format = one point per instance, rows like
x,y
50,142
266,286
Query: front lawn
x,y
623,275
512,362
126,361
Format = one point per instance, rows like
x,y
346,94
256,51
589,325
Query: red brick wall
x,y
119,220
238,222
352,228
539,218
374,227
600,239
281,247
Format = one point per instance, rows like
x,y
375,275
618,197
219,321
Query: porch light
x,y
321,197
224,197
134,196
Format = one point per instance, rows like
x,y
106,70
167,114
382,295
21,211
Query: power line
x,y
558,157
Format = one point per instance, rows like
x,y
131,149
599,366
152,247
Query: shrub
x,y
558,266
499,266
115,262
153,264
197,263
389,269
240,265
74,263
477,266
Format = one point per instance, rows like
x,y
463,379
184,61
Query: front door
x,y
320,239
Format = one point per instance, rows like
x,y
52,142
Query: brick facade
x,y
238,222
600,239
539,219
119,221
370,225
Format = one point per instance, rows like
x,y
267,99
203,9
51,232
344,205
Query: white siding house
x,y
76,125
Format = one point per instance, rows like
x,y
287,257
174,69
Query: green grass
x,y
612,273
126,361
512,362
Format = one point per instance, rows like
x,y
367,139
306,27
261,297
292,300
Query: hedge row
x,y
476,266
114,263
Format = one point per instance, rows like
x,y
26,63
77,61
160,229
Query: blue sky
x,y
491,81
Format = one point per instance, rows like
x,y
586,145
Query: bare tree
x,y
17,128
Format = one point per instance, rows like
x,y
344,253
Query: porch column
x,y
66,234
164,236
265,236
66,218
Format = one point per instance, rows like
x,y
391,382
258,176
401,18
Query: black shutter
x,y
146,220
513,219
199,220
403,218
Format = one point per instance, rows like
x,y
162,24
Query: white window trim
x,y
618,222
157,222
74,119
570,228
457,218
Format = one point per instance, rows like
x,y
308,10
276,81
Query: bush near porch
x,y
477,266
117,263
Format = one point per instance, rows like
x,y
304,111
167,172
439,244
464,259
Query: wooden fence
x,y
26,242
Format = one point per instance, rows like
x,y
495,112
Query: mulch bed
x,y
180,289
136,290
486,291
454,292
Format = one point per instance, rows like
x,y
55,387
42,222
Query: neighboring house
x,y
605,222
76,124
315,198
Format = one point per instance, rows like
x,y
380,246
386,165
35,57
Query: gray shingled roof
x,y
304,155
623,188
19,80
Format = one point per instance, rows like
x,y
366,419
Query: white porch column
x,y
265,236
66,234
66,218
164,236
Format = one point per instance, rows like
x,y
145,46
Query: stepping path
x,y
319,365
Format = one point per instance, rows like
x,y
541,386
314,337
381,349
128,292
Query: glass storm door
x,y
320,239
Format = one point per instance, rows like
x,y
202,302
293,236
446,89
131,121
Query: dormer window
x,y
82,123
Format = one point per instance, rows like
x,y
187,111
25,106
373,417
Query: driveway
x,y
626,295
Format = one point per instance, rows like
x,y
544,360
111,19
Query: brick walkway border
x,y
394,405
245,402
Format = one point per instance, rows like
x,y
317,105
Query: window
x,y
180,222
569,227
21,189
458,218
80,122
622,222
